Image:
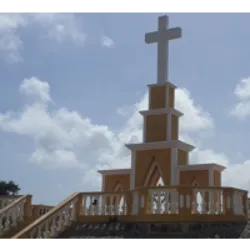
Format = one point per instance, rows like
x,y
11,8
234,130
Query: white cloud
x,y
241,110
60,27
10,42
107,42
36,89
64,138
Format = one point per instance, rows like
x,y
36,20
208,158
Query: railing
x,y
144,202
14,213
192,201
39,210
55,221
5,200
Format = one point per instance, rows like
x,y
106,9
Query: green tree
x,y
9,188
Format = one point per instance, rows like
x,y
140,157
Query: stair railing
x,y
14,213
51,224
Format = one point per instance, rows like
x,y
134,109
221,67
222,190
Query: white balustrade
x,y
11,215
55,223
6,200
164,201
104,204
203,201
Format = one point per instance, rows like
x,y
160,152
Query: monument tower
x,y
161,155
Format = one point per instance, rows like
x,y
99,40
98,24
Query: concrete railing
x,y
14,213
187,202
5,200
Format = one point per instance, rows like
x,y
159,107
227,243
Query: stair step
x,y
153,230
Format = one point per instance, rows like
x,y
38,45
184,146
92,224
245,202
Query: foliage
x,y
9,188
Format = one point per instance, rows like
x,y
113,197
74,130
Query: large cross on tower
x,y
162,37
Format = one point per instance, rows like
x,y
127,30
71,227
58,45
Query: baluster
x,y
32,233
166,202
211,202
103,205
53,227
220,199
60,220
194,203
22,210
7,222
98,205
117,204
158,203
73,208
203,203
174,203
38,232
1,225
151,202
46,232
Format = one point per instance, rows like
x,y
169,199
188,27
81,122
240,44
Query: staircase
x,y
151,230
17,212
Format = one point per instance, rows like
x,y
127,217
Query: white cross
x,y
162,37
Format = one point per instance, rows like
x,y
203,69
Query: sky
x,y
71,87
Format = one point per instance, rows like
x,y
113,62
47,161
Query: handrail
x,y
14,213
5,209
41,219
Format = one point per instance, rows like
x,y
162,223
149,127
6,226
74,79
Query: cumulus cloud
x,y
66,139
107,42
60,27
241,110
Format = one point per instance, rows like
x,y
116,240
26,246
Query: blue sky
x,y
71,87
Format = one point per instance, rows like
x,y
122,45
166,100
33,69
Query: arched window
x,y
154,176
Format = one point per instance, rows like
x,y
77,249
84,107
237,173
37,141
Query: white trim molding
x,y
124,171
169,84
150,172
173,166
167,110
160,145
205,166
211,177
132,172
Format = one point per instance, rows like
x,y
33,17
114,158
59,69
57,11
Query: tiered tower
x,y
161,150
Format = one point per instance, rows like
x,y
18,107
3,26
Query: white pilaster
x,y
149,98
173,166
167,96
103,182
132,174
144,130
169,127
211,177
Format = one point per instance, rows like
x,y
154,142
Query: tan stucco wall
x,y
144,161
201,176
157,97
182,157
112,180
217,178
156,128
175,127
171,97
